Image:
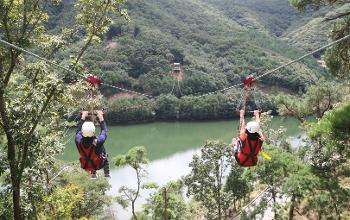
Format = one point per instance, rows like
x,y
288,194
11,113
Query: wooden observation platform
x,y
177,71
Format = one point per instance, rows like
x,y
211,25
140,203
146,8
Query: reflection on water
x,y
159,171
163,139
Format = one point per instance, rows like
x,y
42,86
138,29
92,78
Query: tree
x,y
338,57
94,17
94,193
167,203
299,184
135,158
273,173
328,148
238,184
206,180
125,109
72,195
329,153
33,98
276,137
63,202
168,107
287,175
327,145
317,100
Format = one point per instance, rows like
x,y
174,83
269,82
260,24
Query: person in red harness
x,y
249,143
93,155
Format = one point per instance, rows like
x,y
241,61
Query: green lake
x,y
163,139
170,147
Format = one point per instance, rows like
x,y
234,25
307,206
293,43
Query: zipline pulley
x,y
249,84
94,81
249,81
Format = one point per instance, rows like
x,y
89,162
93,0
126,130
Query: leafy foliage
x,y
33,96
273,16
325,153
317,100
64,201
169,107
125,109
206,180
167,203
285,174
135,158
238,184
337,58
216,52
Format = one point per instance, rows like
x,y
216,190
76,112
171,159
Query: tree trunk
x,y
334,202
336,210
165,211
219,205
83,50
137,192
32,203
16,195
273,194
11,156
133,210
291,208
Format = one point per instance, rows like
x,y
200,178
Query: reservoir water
x,y
170,147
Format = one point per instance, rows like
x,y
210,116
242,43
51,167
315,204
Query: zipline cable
x,y
66,69
203,95
250,203
306,55
179,87
282,66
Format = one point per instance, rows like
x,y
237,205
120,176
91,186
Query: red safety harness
x,y
89,160
247,152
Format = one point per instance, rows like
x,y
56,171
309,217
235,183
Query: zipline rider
x,y
93,155
248,145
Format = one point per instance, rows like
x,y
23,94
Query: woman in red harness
x,y
248,145
93,155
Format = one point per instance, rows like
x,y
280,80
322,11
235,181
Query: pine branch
x,y
340,15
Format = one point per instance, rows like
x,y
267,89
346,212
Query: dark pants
x,y
105,164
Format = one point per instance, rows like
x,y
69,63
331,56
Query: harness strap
x,y
87,157
251,154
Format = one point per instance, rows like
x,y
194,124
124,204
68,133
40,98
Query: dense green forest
x,y
132,45
218,43
314,31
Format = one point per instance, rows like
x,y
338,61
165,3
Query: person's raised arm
x,y
103,135
257,116
242,134
257,119
78,134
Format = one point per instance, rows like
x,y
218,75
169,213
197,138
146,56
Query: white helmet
x,y
252,127
88,129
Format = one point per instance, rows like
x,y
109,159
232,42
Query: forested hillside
x,y
272,16
313,32
49,48
209,38
217,43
